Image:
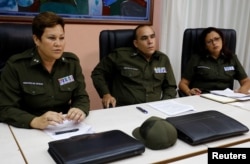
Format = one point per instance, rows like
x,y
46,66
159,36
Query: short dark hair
x,y
136,29
43,20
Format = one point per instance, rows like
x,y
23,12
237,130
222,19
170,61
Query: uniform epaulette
x,y
124,49
159,52
24,55
70,55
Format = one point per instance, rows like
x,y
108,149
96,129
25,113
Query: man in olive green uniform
x,y
137,75
43,86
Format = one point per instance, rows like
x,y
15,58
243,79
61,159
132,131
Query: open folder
x,y
95,148
226,96
230,93
218,98
206,126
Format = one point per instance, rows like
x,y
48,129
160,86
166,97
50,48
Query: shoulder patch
x,y
124,49
70,55
24,55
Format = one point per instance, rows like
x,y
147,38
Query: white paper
x,y
68,125
230,93
171,107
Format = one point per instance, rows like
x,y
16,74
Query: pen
x,y
142,110
66,131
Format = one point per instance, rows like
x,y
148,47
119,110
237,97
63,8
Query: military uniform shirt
x,y
207,74
28,90
131,79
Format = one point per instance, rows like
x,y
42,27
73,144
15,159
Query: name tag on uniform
x,y
160,70
32,83
204,67
66,80
229,68
130,68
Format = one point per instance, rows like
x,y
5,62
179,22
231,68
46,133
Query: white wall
x,y
177,15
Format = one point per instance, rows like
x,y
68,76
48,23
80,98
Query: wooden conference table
x,y
34,143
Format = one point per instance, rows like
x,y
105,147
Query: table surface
x,y
34,143
203,157
9,152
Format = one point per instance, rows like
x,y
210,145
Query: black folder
x,y
202,127
95,148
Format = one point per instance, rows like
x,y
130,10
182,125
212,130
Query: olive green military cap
x,y
156,133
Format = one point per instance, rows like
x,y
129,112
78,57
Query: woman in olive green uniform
x,y
44,85
215,68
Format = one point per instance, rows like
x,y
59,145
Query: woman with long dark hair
x,y
214,67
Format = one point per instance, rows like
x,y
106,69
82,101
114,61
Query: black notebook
x,y
201,127
95,148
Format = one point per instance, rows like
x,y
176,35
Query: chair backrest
x,y
191,43
111,39
14,38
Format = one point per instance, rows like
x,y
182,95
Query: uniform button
x,y
69,89
52,97
33,92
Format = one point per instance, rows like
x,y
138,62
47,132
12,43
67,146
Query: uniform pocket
x,y
130,73
34,89
159,76
202,70
68,87
230,73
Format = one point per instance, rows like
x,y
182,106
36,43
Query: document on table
x,y
230,93
76,128
218,98
171,107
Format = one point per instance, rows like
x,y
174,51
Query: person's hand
x,y
75,114
244,86
108,100
48,118
194,91
242,90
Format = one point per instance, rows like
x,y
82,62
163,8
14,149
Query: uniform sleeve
x,y
189,70
80,97
102,75
10,111
169,85
240,71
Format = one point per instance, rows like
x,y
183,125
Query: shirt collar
x,y
222,56
36,59
154,56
